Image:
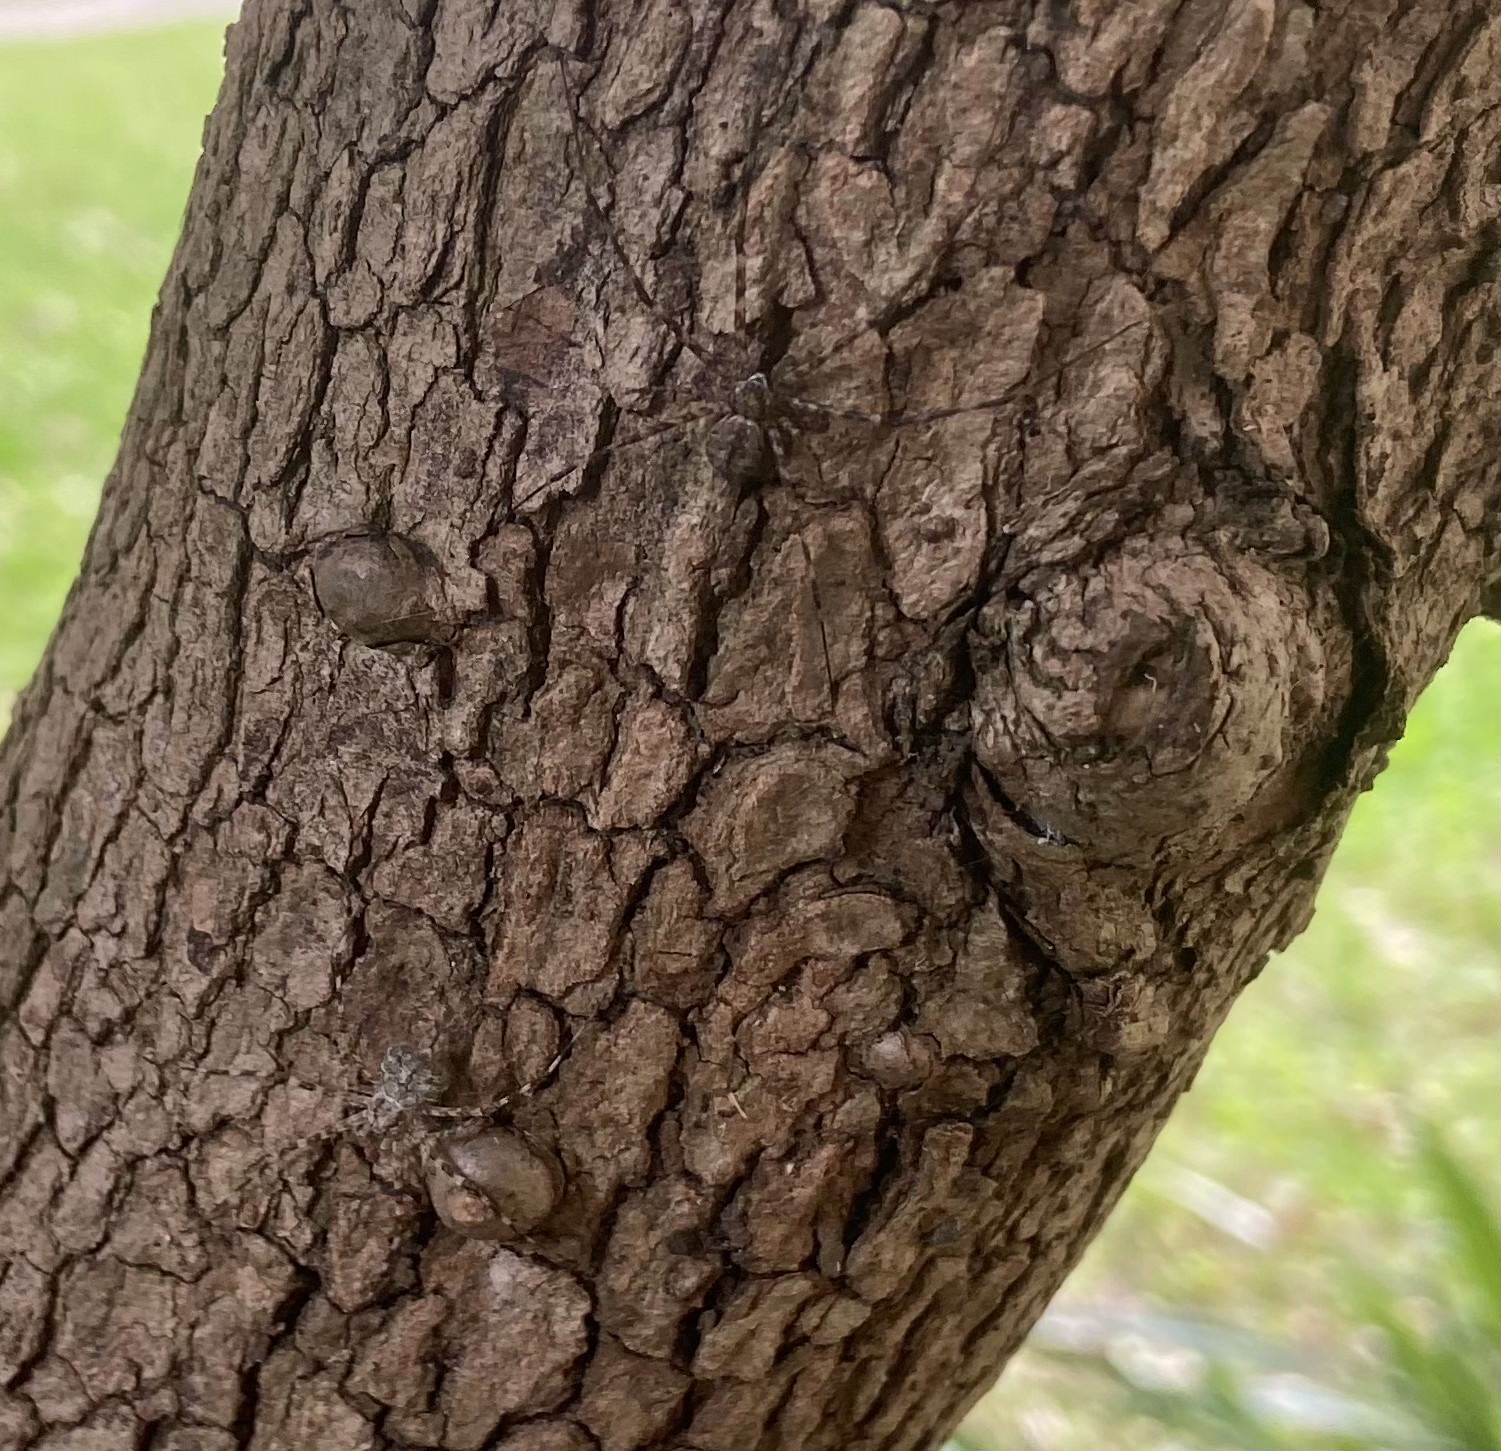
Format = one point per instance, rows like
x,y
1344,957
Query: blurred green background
x,y
1309,1258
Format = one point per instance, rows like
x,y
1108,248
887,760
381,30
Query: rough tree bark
x,y
878,827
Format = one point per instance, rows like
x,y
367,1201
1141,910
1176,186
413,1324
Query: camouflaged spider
x,y
402,1103
748,419
407,1086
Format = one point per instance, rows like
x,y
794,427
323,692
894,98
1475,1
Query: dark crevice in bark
x,y
1216,177
1366,562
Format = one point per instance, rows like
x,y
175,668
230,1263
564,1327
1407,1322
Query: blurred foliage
x,y
98,138
1427,1377
1304,1260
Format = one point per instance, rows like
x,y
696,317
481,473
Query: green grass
x,y
98,139
1292,1208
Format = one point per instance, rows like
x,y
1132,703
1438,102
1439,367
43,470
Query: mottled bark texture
x,y
877,816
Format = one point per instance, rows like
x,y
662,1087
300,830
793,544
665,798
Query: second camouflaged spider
x,y
403,1102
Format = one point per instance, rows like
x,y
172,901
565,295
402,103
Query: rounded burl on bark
x,y
377,589
721,634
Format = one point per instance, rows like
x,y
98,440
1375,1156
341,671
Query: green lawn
x,y
1237,1297
98,139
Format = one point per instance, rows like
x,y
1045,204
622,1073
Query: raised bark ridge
x,y
877,829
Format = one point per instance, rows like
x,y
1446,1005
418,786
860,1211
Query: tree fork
x,y
839,842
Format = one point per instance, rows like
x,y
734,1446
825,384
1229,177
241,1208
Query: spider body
x,y
407,1087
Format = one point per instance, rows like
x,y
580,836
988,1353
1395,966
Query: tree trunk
x,y
840,830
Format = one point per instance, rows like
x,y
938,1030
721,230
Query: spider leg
x,y
823,634
376,634
776,444
578,127
980,405
739,242
448,1113
835,411
547,1072
977,405
301,1145
440,1111
884,311
677,425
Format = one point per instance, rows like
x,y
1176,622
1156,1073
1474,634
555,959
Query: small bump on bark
x,y
494,1185
380,589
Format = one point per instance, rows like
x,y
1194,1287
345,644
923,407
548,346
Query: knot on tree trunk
x,y
1156,692
494,1185
380,589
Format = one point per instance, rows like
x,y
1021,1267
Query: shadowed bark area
x,y
836,829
